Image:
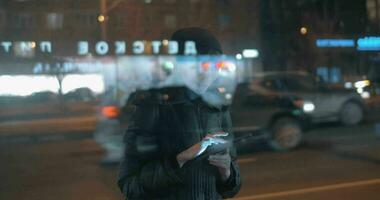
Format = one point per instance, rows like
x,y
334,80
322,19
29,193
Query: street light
x,y
303,30
101,18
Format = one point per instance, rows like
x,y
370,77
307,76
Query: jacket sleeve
x,y
232,186
143,174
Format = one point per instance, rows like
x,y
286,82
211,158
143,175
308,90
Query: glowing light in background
x,y
110,112
239,56
24,85
206,66
303,30
335,43
368,44
250,53
32,44
101,18
348,85
92,81
360,90
165,42
308,107
225,68
362,84
365,95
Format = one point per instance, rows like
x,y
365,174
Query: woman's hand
x,y
223,163
200,147
188,154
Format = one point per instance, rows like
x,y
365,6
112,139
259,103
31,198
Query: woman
x,y
165,137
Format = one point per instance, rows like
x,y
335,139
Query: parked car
x,y
276,118
331,104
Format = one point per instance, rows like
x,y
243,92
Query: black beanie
x,y
206,43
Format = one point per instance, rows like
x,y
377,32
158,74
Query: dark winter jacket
x,y
164,123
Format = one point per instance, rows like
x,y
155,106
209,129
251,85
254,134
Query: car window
x,y
299,83
274,84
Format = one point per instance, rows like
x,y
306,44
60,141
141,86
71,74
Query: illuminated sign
x,y
368,44
28,48
323,43
250,53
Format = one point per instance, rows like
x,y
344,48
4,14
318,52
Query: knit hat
x,y
206,43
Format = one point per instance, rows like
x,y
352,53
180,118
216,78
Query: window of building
x,y
2,19
54,21
224,21
372,9
23,21
170,21
119,20
86,19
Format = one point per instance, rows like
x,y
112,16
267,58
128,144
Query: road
x,y
334,163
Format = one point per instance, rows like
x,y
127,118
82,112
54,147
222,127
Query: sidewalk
x,y
45,126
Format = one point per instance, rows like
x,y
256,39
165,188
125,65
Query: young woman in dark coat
x,y
166,132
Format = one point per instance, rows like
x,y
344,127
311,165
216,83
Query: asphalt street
x,y
334,162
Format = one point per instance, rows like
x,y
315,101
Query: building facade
x,y
64,22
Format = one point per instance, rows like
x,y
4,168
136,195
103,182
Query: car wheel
x,y
351,113
286,134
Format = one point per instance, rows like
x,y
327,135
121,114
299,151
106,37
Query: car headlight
x,y
362,84
306,106
365,95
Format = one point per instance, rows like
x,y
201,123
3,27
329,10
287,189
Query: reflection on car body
x,y
342,105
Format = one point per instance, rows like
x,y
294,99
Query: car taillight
x,y
110,112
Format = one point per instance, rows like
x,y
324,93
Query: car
x,y
277,119
331,104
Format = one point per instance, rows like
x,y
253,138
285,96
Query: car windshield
x,y
189,99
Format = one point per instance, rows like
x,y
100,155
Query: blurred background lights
x,y
308,106
303,30
239,56
362,84
365,95
91,81
168,66
32,44
101,18
348,85
165,42
250,53
222,89
24,85
360,90
206,66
